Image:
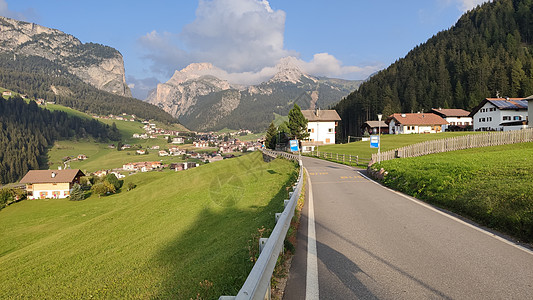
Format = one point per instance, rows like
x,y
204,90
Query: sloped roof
x,y
374,124
323,115
45,176
417,119
503,104
450,112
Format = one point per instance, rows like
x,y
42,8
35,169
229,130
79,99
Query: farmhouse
x,y
372,127
457,118
500,114
321,127
41,184
415,123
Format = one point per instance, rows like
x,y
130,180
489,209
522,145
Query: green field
x,y
388,142
159,240
491,185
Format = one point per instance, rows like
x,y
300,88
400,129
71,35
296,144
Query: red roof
x,y
417,119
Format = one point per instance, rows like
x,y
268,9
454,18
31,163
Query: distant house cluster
x,y
492,114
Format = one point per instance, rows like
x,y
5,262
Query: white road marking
x,y
311,282
420,202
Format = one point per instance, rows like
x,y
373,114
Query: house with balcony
x,y
458,119
321,127
500,114
415,123
42,184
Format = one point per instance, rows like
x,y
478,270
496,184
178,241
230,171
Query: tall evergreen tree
x,y
270,137
297,124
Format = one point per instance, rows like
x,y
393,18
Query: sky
x,y
245,39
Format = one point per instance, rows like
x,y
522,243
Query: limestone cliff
x,y
97,65
202,101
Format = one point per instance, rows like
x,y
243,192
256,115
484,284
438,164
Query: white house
x,y
321,127
454,116
501,114
415,123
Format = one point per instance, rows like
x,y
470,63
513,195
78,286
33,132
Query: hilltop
x,y
98,65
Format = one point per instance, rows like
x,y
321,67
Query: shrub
x,y
103,188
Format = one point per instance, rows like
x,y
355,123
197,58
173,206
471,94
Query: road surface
x,y
374,243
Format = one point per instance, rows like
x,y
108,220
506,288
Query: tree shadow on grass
x,y
212,258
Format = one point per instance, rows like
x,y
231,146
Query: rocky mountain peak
x,y
192,71
288,71
97,65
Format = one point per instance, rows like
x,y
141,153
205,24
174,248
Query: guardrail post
x,y
285,202
262,243
290,194
277,216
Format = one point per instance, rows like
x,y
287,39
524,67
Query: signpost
x,y
374,141
294,145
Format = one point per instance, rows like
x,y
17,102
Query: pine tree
x,y
297,124
270,137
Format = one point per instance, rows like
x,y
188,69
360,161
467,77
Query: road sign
x,y
374,141
294,145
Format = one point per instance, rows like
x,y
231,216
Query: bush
x,y
6,196
103,188
131,186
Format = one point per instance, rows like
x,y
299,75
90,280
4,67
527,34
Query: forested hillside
x,y
487,53
27,130
41,78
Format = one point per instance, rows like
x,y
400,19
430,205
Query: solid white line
x,y
428,206
311,282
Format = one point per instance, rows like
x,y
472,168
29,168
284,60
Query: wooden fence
x,y
457,143
347,159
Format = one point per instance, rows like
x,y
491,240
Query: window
x,y
506,118
517,118
308,129
330,129
489,119
481,119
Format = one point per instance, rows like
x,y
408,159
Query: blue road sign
x,y
294,145
374,141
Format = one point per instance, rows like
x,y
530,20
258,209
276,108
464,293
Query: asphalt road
x,y
373,243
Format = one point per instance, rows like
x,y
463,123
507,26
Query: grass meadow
x,y
491,185
177,235
388,142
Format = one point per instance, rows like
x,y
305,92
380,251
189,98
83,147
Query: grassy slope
x,y
159,240
388,142
491,185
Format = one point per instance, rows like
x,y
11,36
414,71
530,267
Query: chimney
x,y
507,98
317,111
403,115
53,174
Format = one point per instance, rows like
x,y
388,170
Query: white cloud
x,y
6,12
466,5
324,64
243,37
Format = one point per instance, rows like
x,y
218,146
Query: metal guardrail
x,y
257,285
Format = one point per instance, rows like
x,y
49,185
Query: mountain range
x,y
202,101
98,65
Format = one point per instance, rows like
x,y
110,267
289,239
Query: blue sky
x,y
348,39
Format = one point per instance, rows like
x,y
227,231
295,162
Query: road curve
x,y
374,243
